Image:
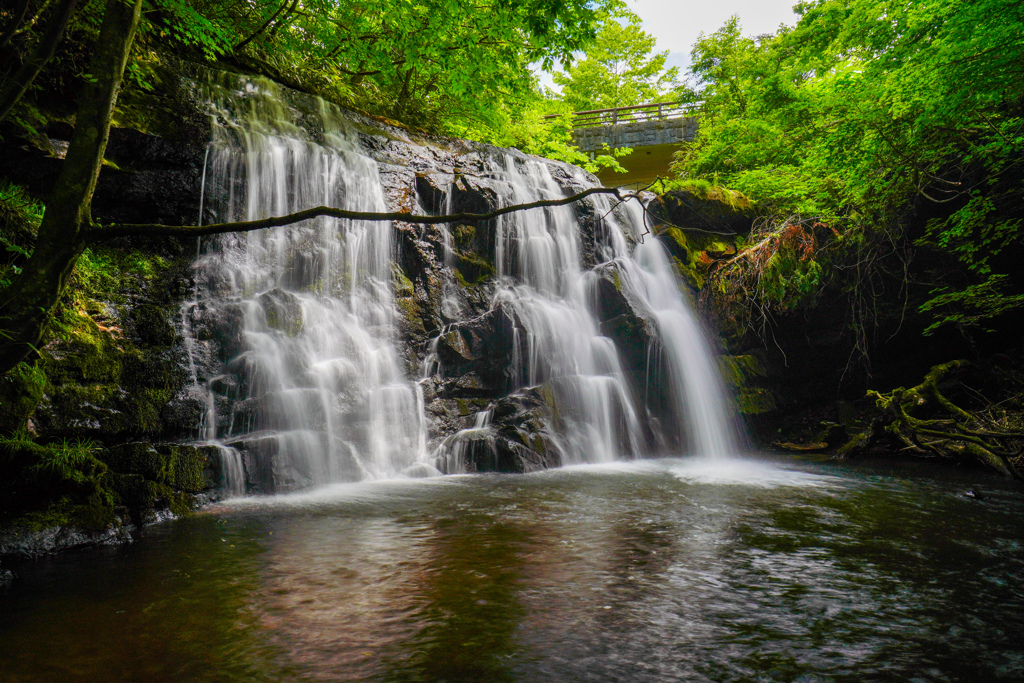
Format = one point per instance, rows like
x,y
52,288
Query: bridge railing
x,y
657,111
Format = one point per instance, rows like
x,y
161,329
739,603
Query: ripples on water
x,y
742,570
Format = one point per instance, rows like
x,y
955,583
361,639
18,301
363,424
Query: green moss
x,y
290,325
21,389
134,492
463,406
463,235
66,513
740,370
410,310
179,467
472,269
755,400
56,484
707,191
402,284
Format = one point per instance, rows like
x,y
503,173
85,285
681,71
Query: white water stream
x,y
310,387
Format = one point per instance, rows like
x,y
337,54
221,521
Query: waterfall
x,y
316,390
292,333
541,276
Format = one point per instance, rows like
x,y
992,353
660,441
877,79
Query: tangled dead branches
x,y
774,273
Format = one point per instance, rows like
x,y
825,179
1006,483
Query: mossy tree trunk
x,y
63,232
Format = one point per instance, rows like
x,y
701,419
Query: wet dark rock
x,y
266,468
283,311
516,440
625,322
153,325
481,347
476,195
432,190
687,210
6,578
305,270
183,413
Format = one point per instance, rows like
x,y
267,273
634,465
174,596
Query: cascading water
x,y
541,277
292,333
315,386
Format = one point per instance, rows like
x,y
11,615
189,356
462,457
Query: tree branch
x,y
100,233
262,28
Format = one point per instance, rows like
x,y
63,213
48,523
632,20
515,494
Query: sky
x,y
676,24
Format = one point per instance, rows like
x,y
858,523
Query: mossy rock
x,y
743,373
180,467
463,235
740,370
283,311
402,284
472,269
21,390
153,326
135,492
755,401
410,311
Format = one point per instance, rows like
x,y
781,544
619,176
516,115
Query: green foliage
x,y
440,64
19,220
619,69
975,233
973,305
63,460
865,110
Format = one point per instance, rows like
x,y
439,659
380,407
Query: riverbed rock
x,y
29,544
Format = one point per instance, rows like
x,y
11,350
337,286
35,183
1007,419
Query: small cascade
x,y
540,273
232,481
315,390
477,443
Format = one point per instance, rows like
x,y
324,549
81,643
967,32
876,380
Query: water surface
x,y
756,570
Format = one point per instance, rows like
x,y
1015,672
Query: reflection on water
x,y
651,571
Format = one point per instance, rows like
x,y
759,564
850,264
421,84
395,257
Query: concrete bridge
x,y
653,131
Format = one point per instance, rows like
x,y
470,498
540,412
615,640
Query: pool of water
x,y
669,570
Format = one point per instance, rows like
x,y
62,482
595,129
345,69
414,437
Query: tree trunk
x,y
24,76
25,310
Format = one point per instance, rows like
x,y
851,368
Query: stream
x,y
763,569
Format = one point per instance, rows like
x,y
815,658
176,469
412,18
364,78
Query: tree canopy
x,y
886,121
619,69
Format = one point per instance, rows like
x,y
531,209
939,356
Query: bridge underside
x,y
653,143
643,166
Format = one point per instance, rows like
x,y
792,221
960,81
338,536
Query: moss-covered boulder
x,y
709,210
746,375
21,390
182,467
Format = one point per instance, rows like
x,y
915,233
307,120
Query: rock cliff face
x,y
123,370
